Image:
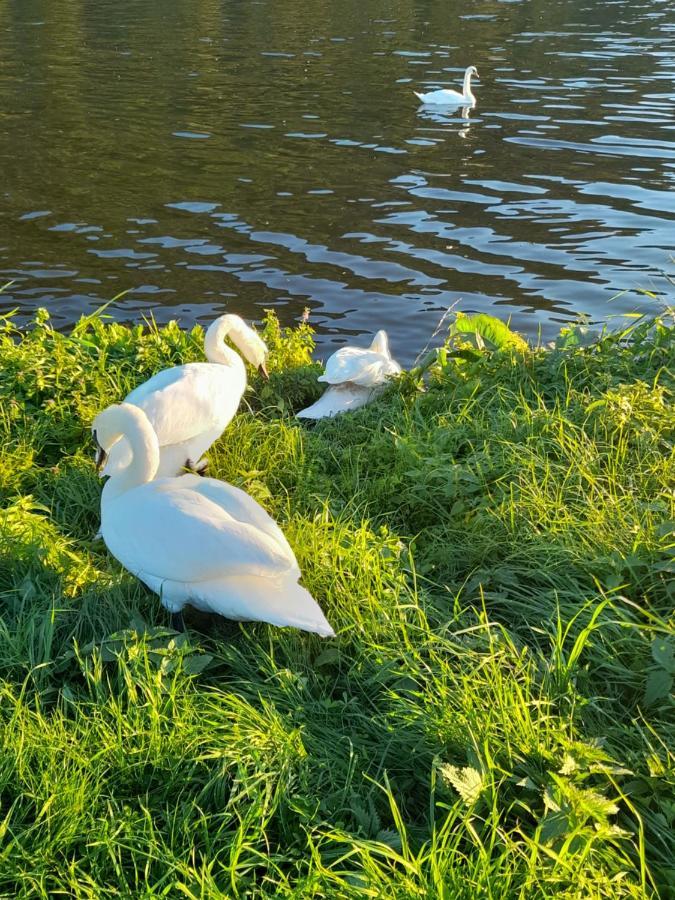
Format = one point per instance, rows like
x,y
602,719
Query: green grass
x,y
495,717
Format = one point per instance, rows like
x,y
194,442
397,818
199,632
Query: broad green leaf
x,y
550,803
568,339
488,328
468,782
596,805
389,837
464,353
576,336
581,802
365,815
193,665
111,650
138,624
663,653
569,765
659,684
527,783
328,656
554,825
665,529
167,664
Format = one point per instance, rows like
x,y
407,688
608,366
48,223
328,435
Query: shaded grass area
x,y
495,717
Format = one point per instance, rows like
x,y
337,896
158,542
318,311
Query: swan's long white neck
x,y
466,90
215,348
130,422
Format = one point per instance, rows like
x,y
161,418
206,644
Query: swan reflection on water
x,y
465,115
445,116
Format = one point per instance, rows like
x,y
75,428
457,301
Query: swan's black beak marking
x,y
262,368
101,459
101,455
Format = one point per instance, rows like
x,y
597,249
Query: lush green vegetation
x,y
494,719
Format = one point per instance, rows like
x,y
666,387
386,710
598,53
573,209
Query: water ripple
x,y
242,167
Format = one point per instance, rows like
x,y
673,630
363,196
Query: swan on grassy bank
x,y
448,97
196,540
355,376
190,406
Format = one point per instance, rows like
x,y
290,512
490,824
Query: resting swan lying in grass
x,y
190,406
196,540
355,376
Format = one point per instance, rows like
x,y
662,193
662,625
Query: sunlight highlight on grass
x,y
495,548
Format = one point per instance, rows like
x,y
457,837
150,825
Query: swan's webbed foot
x,y
177,622
198,468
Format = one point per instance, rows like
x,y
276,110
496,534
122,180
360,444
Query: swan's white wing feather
x,y
353,364
336,399
183,404
280,601
173,532
243,507
391,367
344,365
443,96
184,401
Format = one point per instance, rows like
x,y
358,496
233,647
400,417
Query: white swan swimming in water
x,y
355,376
196,540
190,406
447,97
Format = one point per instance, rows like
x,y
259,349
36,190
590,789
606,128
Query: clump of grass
x,y
494,547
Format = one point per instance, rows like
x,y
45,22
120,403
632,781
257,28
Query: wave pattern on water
x,y
244,156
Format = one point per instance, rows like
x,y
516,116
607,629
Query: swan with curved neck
x,y
196,540
355,376
124,421
449,97
190,406
244,338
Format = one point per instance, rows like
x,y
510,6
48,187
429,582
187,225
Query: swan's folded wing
x,y
366,368
242,507
445,96
355,365
188,400
179,534
336,399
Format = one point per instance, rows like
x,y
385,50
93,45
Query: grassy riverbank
x,y
493,720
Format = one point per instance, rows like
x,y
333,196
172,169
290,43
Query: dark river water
x,y
204,155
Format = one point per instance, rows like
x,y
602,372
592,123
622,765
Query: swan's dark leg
x,y
177,622
198,468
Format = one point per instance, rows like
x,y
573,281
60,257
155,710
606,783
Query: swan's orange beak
x,y
262,368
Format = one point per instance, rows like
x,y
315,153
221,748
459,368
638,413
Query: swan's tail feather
x,y
337,399
281,602
380,343
419,96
